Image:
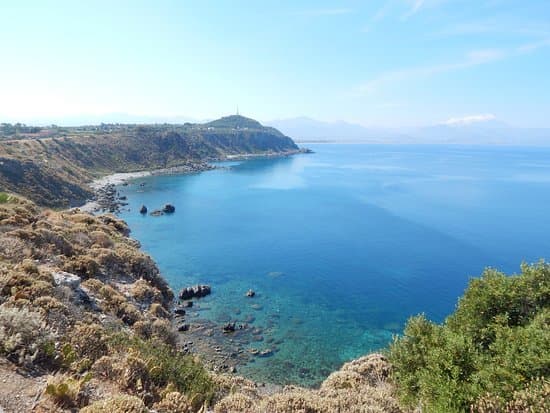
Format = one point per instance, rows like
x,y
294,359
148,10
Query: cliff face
x,y
54,171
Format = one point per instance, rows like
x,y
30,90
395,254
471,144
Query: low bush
x,y
167,366
173,402
4,198
496,343
117,404
66,391
24,337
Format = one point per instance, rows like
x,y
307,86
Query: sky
x,y
391,63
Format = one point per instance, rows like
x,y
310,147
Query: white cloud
x,y
470,59
531,47
468,120
473,58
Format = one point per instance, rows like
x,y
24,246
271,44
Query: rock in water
x,y
156,213
143,209
229,328
250,293
179,311
195,291
169,209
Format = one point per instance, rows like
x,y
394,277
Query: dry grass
x,y
361,386
118,404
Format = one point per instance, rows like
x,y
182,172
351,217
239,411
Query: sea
x,y
343,245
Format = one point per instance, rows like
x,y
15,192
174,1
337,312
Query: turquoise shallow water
x,y
343,245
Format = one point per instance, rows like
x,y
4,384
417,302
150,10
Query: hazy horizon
x,y
390,63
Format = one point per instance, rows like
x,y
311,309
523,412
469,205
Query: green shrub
x,y
68,391
4,198
496,343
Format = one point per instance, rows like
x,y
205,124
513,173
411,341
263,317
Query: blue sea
x,y
343,245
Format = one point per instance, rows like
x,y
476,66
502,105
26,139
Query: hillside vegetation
x,y
491,355
54,170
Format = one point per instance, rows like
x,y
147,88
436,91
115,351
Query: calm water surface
x,y
343,245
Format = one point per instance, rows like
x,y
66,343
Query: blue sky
x,y
381,63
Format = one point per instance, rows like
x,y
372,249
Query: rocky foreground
x,y
87,323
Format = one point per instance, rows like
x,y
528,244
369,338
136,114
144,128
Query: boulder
x,y
143,209
66,279
250,293
156,213
169,209
183,327
179,311
229,327
196,291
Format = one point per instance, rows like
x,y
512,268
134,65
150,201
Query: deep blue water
x,y
343,245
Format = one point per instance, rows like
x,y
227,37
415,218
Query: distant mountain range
x,y
472,131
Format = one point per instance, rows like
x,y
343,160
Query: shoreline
x,y
218,351
105,198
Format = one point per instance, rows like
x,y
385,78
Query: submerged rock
x,y
250,293
266,353
156,213
143,209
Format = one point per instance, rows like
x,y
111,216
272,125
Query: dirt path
x,y
18,391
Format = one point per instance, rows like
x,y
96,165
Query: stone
x,y
143,209
196,291
169,209
156,213
183,327
229,328
179,311
250,293
67,279
266,353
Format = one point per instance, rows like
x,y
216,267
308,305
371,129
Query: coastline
x,y
204,339
105,199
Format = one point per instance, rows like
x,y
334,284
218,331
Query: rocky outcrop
x,y
196,291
